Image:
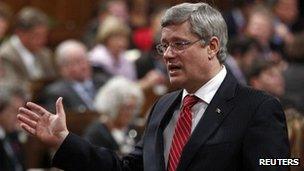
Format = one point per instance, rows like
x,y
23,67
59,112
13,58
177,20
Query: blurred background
x,y
100,56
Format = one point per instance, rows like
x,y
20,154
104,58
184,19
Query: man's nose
x,y
168,53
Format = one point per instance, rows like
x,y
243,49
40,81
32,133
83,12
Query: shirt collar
x,y
208,90
87,82
16,42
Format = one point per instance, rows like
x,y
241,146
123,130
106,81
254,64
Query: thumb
x,y
59,107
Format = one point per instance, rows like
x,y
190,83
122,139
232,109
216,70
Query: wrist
x,y
61,137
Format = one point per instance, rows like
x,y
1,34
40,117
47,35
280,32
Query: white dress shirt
x,y
205,93
100,56
84,94
33,68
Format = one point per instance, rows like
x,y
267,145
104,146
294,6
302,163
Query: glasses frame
x,y
176,46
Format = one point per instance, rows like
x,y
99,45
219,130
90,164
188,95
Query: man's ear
x,y
213,47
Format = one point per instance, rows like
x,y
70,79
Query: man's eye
x,y
165,46
179,44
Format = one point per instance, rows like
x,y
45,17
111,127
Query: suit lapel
x,y
46,66
167,115
76,96
18,62
216,112
162,113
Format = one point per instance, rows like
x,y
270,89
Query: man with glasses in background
x,y
211,123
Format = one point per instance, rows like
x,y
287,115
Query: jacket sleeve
x,y
78,154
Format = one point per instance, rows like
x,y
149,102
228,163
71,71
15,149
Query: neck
x,y
192,87
24,42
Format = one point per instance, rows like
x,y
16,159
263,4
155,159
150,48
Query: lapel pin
x,y
217,110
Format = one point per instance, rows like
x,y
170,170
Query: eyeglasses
x,y
175,46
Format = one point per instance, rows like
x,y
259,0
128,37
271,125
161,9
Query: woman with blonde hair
x,y
109,52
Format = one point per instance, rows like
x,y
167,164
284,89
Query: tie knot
x,y
190,101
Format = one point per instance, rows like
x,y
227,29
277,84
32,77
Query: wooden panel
x,y
70,17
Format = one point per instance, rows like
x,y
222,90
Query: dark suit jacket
x,y
250,125
98,134
7,162
71,99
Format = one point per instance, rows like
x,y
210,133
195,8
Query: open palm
x,y
49,128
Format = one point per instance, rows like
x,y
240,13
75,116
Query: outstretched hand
x,y
50,128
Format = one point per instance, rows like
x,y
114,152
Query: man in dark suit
x,y
11,151
77,85
212,123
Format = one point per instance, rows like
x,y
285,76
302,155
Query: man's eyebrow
x,y
174,39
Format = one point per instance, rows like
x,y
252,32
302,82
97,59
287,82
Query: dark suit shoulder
x,y
162,104
56,87
168,98
253,97
98,134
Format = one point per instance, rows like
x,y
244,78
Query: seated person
x,y
265,75
11,153
77,85
242,53
109,52
25,56
117,102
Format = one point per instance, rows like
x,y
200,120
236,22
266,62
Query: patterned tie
x,y
182,132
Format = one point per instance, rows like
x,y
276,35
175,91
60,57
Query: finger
x,y
27,121
29,113
28,129
59,107
37,109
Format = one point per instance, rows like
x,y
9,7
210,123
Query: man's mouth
x,y
173,68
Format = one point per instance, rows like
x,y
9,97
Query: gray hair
x,y
30,17
205,22
65,47
116,92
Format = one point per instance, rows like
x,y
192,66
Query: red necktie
x,y
182,132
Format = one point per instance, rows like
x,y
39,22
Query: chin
x,y
177,82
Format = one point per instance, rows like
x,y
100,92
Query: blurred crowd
x,y
110,77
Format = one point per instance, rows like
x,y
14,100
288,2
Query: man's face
x,y
119,9
77,67
188,68
248,59
260,27
287,10
272,81
35,38
8,117
3,27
